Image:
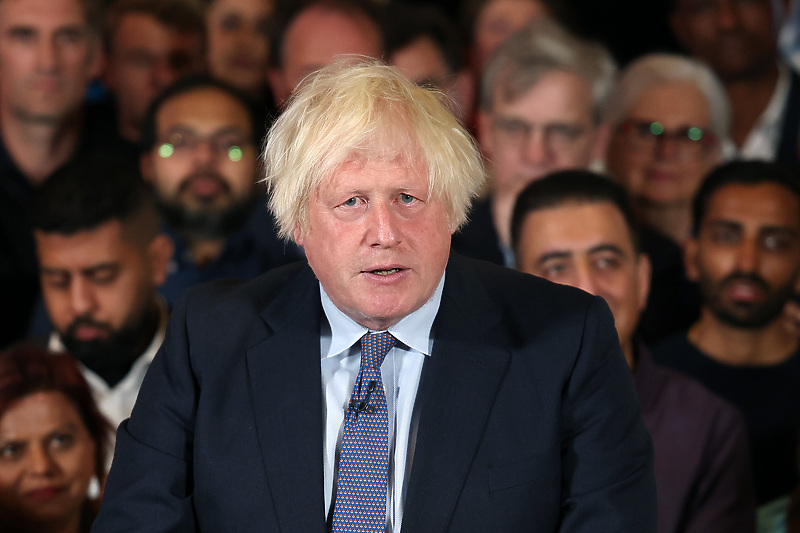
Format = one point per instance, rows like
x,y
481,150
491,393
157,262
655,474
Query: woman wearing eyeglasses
x,y
670,121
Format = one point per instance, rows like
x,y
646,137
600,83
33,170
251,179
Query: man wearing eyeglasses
x,y
540,102
201,156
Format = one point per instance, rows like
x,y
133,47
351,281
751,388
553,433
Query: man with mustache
x,y
201,156
744,255
101,257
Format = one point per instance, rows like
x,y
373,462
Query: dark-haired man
x,y
745,256
49,52
578,228
313,33
101,257
150,44
201,156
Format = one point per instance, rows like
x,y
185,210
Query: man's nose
x,y
584,279
384,224
82,298
747,256
535,148
47,55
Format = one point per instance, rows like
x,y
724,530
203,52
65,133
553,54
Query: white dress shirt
x,y
400,372
762,141
116,403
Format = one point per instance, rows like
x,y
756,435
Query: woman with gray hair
x,y
670,121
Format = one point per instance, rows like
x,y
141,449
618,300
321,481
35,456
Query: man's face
x,y
238,42
145,56
548,128
315,38
203,165
735,37
664,169
589,246
48,56
498,20
97,284
376,241
746,256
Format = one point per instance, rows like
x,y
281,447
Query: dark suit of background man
x,y
510,405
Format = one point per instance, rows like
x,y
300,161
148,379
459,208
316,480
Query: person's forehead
x,y
676,102
319,31
42,13
556,94
38,414
204,108
766,204
577,227
86,249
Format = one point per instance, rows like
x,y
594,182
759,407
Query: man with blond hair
x,y
385,383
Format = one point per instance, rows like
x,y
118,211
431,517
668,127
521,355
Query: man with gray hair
x,y
385,383
540,111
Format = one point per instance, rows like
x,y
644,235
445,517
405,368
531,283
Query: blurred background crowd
x,y
646,152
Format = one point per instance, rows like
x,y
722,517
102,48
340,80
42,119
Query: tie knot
x,y
374,347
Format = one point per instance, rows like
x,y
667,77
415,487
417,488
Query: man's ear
x,y
159,253
645,272
690,258
297,233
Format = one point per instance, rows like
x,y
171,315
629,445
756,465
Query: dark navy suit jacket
x,y
528,417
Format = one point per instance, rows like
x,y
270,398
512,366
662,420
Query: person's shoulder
x,y
239,295
521,299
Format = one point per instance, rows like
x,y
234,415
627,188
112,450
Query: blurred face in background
x,y
238,42
663,147
497,20
550,127
47,459
48,56
145,56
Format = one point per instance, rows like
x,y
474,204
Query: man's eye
x,y
10,450
351,202
407,198
607,263
552,270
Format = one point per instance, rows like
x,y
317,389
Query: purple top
x,y
702,462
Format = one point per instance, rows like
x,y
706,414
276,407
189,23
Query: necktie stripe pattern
x,y
364,460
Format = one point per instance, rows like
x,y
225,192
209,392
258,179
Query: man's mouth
x,y
385,272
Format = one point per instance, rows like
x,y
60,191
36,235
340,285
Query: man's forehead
x,y
556,94
42,13
578,226
207,108
765,203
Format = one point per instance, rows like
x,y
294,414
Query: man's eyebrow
x,y
607,247
782,230
556,254
720,223
94,269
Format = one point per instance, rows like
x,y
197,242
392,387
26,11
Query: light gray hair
x,y
658,69
365,111
540,48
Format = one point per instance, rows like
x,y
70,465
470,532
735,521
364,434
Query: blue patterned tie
x,y
364,460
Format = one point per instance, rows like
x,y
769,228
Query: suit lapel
x,y
285,390
456,393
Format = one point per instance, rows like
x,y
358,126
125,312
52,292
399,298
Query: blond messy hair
x,y
361,111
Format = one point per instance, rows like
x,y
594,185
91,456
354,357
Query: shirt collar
x,y
413,330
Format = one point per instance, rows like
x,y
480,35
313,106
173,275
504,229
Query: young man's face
x,y
746,256
48,56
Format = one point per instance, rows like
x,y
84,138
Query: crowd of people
x,y
146,147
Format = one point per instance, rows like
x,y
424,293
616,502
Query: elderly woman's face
x,y
46,460
663,147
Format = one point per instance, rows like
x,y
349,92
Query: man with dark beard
x,y
201,155
101,257
745,256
